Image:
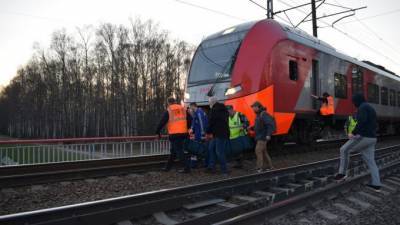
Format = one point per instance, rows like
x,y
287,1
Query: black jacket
x,y
218,121
366,117
164,121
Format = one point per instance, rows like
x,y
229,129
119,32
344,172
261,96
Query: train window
x,y
373,93
357,80
392,97
384,96
398,99
293,70
340,86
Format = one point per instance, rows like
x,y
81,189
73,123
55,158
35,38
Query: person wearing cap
x,y
238,124
218,130
264,127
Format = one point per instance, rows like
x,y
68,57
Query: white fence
x,y
25,153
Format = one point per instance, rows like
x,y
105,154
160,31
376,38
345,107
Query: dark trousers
x,y
176,150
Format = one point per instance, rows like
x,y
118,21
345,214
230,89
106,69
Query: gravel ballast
x,y
36,197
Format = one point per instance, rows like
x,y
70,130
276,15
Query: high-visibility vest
x,y
328,108
352,123
177,122
236,126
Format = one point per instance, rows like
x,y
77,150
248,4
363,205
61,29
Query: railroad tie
x,y
227,205
304,221
308,184
269,195
370,196
203,203
162,218
362,204
384,192
327,215
125,222
279,189
198,214
390,188
394,182
395,178
346,208
245,198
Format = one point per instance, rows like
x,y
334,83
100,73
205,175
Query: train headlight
x,y
234,90
187,95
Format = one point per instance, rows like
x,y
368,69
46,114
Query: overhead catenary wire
x,y
349,36
210,10
390,46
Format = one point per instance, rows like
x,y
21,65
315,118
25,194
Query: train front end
x,y
234,66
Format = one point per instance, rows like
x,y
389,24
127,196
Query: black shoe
x,y
374,187
340,177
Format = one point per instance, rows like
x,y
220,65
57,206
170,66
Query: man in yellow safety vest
x,y
238,124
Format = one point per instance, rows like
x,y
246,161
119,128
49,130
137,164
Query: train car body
x,y
282,67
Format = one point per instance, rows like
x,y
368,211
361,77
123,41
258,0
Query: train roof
x,y
304,38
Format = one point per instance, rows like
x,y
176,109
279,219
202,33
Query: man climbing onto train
x,y
326,111
361,139
238,125
264,127
177,121
218,132
198,128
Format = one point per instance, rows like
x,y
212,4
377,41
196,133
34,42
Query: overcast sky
x,y
23,22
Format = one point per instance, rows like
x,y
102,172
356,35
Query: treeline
x,y
102,81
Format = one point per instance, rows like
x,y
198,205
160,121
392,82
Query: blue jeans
x,y
216,150
366,146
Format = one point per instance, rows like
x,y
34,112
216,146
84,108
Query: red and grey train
x,y
282,67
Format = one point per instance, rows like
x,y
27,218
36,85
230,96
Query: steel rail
x,y
113,210
20,175
270,212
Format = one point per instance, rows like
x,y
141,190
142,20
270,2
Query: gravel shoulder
x,y
71,192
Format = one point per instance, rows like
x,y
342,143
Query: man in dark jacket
x,y
264,127
219,129
177,120
362,139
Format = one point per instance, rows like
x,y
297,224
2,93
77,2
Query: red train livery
x,y
282,67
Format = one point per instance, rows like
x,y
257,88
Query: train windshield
x,y
214,58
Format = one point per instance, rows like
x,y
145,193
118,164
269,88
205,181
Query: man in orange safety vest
x,y
177,121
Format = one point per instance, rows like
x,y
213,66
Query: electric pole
x,y
270,9
314,19
345,10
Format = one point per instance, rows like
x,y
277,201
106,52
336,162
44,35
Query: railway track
x,y
14,176
216,202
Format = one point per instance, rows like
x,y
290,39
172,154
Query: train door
x,y
315,82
